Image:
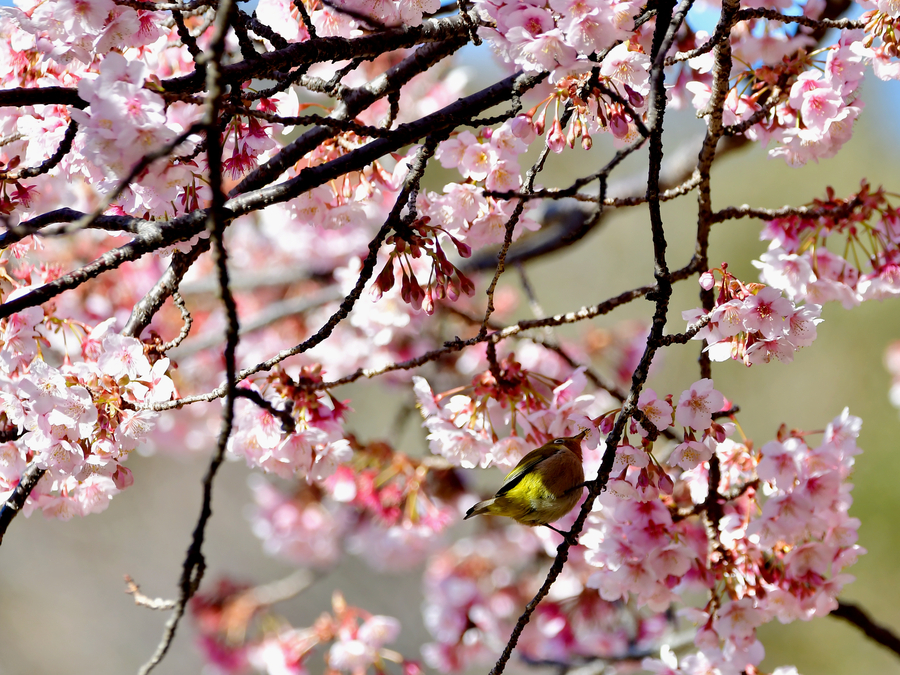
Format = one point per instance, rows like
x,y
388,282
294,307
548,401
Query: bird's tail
x,y
480,507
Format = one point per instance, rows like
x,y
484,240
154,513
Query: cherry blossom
x,y
697,404
754,323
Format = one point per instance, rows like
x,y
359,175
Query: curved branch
x,y
875,631
64,146
18,232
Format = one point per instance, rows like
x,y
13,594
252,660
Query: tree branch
x,y
880,634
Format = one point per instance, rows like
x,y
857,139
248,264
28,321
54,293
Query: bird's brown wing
x,y
528,463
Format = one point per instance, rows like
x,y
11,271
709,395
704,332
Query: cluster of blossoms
x,y
124,122
608,100
445,280
77,420
822,106
488,161
784,561
238,632
865,226
475,591
70,31
68,44
751,322
312,448
771,543
384,506
557,35
803,103
463,427
810,120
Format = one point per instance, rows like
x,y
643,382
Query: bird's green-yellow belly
x,y
530,503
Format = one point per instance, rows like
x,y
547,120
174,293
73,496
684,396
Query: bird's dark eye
x,y
559,440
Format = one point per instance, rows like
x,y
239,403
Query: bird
x,y
544,486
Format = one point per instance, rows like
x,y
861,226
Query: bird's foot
x,y
568,536
576,487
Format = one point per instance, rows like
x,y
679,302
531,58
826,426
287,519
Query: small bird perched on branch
x,y
544,486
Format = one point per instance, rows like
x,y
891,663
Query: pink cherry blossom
x,y
697,404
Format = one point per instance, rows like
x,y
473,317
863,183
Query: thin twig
x,y
661,295
142,600
288,423
194,564
187,320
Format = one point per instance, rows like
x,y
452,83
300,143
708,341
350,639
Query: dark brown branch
x,y
167,284
65,145
319,50
288,424
686,336
18,232
307,22
23,96
880,634
328,49
664,31
351,105
812,212
194,564
17,499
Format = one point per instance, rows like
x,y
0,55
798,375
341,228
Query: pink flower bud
x,y
556,140
416,293
462,248
618,125
587,141
466,284
428,304
385,280
522,128
453,289
405,288
122,477
634,98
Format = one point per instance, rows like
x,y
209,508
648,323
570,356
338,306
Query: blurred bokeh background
x,y
62,602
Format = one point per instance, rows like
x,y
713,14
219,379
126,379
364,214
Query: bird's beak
x,y
580,437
